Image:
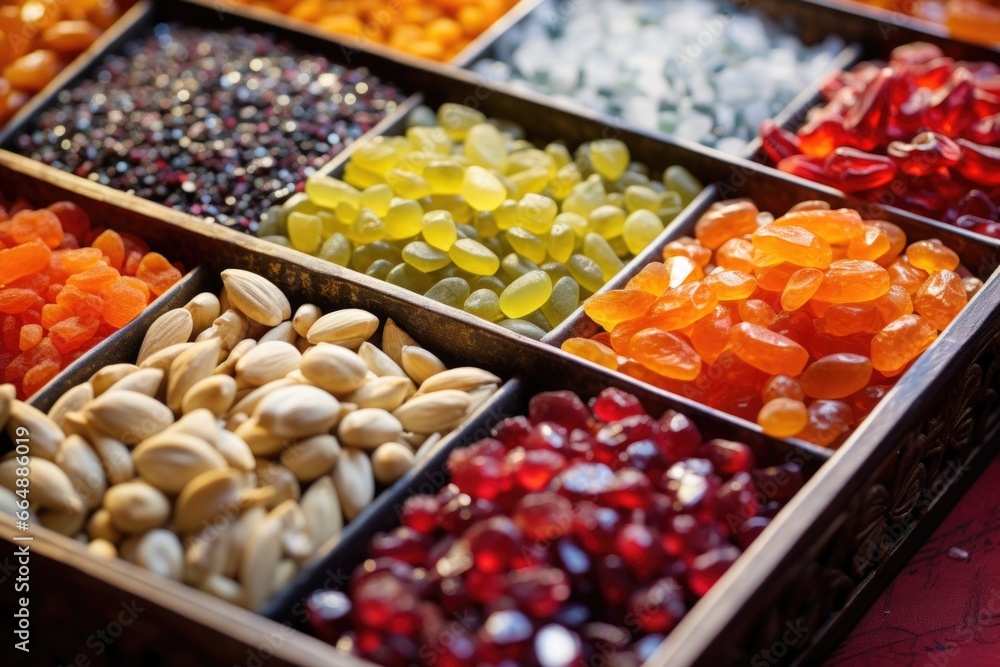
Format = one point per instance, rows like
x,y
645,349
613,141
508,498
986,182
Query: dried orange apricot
x,y
110,243
122,304
157,272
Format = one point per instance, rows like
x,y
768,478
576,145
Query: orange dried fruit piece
x,y
38,376
690,248
652,278
76,261
682,270
591,350
608,309
939,299
736,254
73,332
42,224
775,277
783,417
767,351
80,302
871,245
757,311
731,285
94,280
157,272
74,219
793,244
710,335
907,276
110,243
853,280
901,342
23,260
53,313
782,386
682,306
836,375
122,304
14,301
135,283
932,256
666,354
801,287
30,335
726,220
896,237
835,227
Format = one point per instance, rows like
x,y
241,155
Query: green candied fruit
x,y
327,191
486,224
278,239
564,300
474,257
403,219
492,283
368,228
680,180
586,272
561,242
484,303
438,229
585,197
526,294
336,249
609,157
515,266
450,291
482,189
556,270
457,119
365,255
597,249
486,147
380,269
539,320
407,277
527,244
406,184
642,198
377,198
305,232
424,257
641,227
536,213
524,328
607,220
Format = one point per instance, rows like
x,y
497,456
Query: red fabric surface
x,y
941,609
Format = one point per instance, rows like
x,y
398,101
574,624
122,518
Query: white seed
x,y
267,362
228,367
333,368
215,393
321,507
298,411
420,364
160,552
311,458
283,332
391,461
173,327
204,309
355,482
71,401
256,297
107,376
44,434
83,467
368,428
136,507
190,367
379,362
143,381
305,317
169,461
348,328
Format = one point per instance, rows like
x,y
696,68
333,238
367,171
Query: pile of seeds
x,y
217,124
240,441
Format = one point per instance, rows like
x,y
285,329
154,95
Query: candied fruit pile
x,y
465,211
572,535
921,132
969,20
435,29
801,324
65,286
39,37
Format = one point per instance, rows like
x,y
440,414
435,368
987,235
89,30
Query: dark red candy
x,y
403,543
562,407
505,635
727,457
512,430
807,167
329,614
421,513
736,501
613,404
678,434
854,170
585,480
820,136
980,164
928,152
986,130
750,529
494,543
544,516
778,143
546,435
534,469
658,607
709,567
978,203
949,110
540,590
640,548
779,482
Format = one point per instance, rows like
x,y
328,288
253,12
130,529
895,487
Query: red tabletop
x,y
944,607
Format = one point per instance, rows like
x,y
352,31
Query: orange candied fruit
x,y
58,300
801,323
434,29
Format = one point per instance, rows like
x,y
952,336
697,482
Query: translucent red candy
x,y
921,133
549,576
813,308
58,300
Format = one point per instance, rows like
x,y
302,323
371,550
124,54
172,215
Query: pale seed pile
x,y
240,441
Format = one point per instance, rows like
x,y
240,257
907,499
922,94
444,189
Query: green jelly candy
x,y
407,277
598,250
576,222
424,257
484,303
642,198
486,147
564,300
526,294
336,249
305,232
565,180
680,180
559,153
438,229
454,204
472,256
496,246
586,272
527,244
539,320
537,213
450,291
506,215
365,255
668,214
444,177
482,190
377,198
531,181
607,220
458,119
407,184
585,197
609,157
524,328
516,266
403,219
561,241
360,178
422,116
491,283
467,232
486,224
376,156
556,270
368,228
430,140
380,269
327,191
641,227
270,223
278,239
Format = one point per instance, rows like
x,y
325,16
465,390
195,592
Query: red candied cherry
x,y
532,554
585,480
596,527
709,567
691,486
454,595
478,469
535,468
658,607
457,649
687,537
385,602
614,437
613,404
539,590
573,559
544,516
402,543
645,456
505,635
641,549
562,407
485,587
779,482
736,501
582,445
463,511
512,430
494,543
373,567
555,646
546,435
329,614
421,513
750,529
727,457
388,649
614,579
629,490
679,435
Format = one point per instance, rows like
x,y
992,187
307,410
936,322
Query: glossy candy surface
x,y
553,531
65,286
770,327
461,207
